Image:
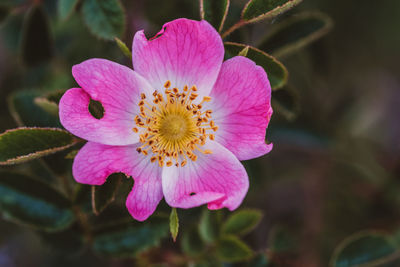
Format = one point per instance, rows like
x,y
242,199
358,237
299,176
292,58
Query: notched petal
x,y
185,52
159,34
96,109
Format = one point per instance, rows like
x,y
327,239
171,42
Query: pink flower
x,y
178,123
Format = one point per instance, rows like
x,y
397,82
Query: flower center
x,y
173,127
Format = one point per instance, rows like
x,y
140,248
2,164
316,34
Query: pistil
x,y
173,127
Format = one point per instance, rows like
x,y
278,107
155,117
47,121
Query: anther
x,y
161,141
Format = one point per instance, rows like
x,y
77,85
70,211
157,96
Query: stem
x,y
66,185
76,209
83,221
80,215
234,27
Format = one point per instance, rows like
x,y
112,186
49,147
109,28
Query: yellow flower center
x,y
173,127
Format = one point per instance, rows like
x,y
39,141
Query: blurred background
x,y
335,167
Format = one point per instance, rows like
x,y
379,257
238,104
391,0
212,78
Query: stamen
x,y
173,128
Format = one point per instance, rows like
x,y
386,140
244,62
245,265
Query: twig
x,y
234,27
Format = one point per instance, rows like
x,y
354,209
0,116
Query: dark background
x,y
335,166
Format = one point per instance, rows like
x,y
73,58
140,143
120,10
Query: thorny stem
x,y
233,28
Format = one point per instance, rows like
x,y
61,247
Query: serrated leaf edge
x,y
221,25
285,71
38,154
272,13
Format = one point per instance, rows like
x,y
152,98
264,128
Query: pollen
x,y
173,126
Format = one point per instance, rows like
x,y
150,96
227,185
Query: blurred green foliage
x,y
328,192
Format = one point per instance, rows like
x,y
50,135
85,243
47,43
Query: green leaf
x,y
122,46
37,42
72,154
296,32
209,226
104,195
242,222
46,105
277,73
244,52
283,238
256,10
173,224
286,103
232,249
104,18
23,144
215,12
26,113
367,247
126,239
66,7
192,244
29,202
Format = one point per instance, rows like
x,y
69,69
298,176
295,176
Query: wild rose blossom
x,y
178,123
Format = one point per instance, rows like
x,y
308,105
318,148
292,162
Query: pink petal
x,y
241,104
218,179
118,88
95,162
185,52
